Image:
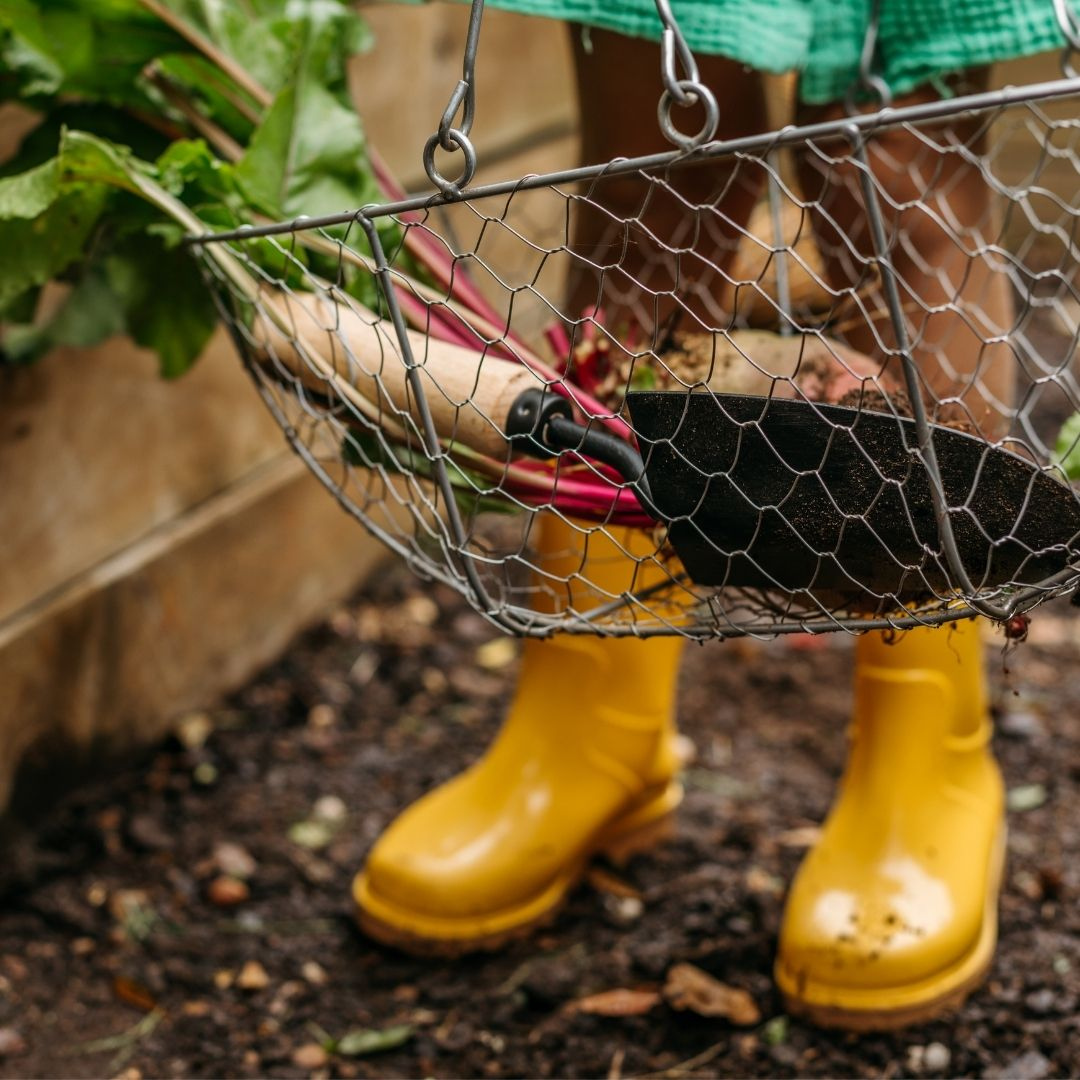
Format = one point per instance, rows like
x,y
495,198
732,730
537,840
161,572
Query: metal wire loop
x,y
453,137
684,91
870,84
692,92
458,141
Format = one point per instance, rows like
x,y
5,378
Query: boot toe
x,y
443,870
910,927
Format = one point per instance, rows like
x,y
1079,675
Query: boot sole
x,y
641,829
959,981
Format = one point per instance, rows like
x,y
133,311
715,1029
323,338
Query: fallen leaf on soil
x,y
604,881
775,1031
616,1003
1026,797
313,835
132,993
309,1056
227,891
371,1041
803,837
689,988
253,976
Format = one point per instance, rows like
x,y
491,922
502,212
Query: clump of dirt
x,y
872,399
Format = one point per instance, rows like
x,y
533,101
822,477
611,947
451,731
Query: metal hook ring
x,y
1068,23
694,91
461,142
873,85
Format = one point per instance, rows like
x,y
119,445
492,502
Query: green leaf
x,y
1025,797
30,193
37,250
1067,450
774,1032
86,159
90,314
365,1041
308,156
167,306
93,49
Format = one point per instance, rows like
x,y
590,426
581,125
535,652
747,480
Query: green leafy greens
x,y
156,119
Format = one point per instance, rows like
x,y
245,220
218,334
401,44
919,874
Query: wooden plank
x,y
96,449
184,615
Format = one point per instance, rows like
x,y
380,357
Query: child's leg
x,y
955,295
587,755
631,226
892,917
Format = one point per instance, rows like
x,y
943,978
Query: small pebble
x,y
624,910
1042,1001
225,891
1029,1066
194,729
322,717
1021,724
497,653
329,808
11,1042
204,774
309,1056
234,860
314,973
936,1057
253,976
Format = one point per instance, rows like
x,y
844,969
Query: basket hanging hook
x,y
869,82
683,91
462,99
1069,23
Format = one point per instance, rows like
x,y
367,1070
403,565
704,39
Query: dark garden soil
x,y
123,950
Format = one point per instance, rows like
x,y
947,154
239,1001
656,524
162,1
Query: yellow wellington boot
x,y
892,917
584,763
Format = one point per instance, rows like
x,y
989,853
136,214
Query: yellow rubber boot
x,y
585,763
892,917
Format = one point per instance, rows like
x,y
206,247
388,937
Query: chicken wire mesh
x,y
812,380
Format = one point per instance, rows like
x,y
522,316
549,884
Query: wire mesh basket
x,y
836,411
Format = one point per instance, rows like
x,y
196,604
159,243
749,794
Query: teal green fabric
x,y
920,40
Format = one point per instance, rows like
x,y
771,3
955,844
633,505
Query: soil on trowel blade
x,y
190,915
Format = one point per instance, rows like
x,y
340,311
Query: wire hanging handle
x,y
685,91
869,82
1070,29
462,99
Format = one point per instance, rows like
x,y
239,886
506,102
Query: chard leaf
x,y
95,49
253,42
30,193
166,304
307,157
38,249
90,314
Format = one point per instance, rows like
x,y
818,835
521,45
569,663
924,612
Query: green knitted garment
x,y
920,40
